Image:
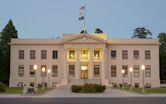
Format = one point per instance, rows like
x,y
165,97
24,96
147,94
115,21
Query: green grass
x,y
148,90
13,90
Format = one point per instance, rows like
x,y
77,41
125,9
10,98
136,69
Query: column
x,y
77,69
90,70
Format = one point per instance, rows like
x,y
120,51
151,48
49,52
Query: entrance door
x,y
84,72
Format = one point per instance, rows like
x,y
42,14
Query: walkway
x,y
65,92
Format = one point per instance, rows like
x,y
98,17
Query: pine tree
x,y
7,33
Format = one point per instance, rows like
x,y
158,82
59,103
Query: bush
x,y
2,87
88,88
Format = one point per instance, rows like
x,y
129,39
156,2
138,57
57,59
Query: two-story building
x,y
84,58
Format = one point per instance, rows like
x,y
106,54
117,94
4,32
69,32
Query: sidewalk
x,y
64,92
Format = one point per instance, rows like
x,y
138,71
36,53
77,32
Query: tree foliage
x,y
98,30
7,33
141,32
162,40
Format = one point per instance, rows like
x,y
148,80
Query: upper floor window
x,y
113,71
113,54
84,54
125,68
55,71
21,54
97,54
32,54
71,55
136,54
43,54
55,54
147,71
96,70
124,54
136,70
21,70
147,54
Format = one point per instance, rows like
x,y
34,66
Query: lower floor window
x,y
96,70
72,70
21,71
147,71
113,71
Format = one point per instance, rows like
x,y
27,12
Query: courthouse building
x,y
84,58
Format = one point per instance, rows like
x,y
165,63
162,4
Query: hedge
x,y
88,88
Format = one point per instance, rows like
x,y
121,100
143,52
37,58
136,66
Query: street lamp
x,y
143,85
123,71
131,71
49,71
35,68
43,73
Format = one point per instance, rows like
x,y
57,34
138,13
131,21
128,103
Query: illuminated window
x,y
125,67
97,54
71,54
84,54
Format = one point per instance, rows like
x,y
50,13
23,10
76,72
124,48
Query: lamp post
x,y
49,72
35,68
123,71
143,69
131,80
43,71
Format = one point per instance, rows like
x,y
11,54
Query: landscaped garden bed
x,y
88,88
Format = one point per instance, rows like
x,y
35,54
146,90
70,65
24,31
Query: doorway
x,y
84,72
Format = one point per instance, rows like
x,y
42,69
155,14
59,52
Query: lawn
x,y
13,90
19,90
148,90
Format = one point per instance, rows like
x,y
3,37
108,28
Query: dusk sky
x,y
52,18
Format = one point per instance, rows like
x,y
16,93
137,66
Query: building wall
x,y
84,42
130,62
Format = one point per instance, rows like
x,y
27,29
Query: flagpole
x,y
84,18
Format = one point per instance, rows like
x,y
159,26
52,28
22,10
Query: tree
x,y
98,30
162,40
7,33
141,32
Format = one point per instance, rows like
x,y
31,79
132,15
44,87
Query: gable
x,y
85,39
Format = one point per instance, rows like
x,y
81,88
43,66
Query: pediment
x,y
85,39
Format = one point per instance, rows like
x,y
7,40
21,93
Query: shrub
x,y
88,88
2,87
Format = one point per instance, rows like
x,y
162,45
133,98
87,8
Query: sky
x,y
52,18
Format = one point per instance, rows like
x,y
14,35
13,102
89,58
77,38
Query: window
x,y
147,71
136,54
125,68
20,84
43,74
21,54
96,70
71,70
147,54
55,54
113,71
32,71
55,71
43,54
124,54
97,54
32,54
113,54
72,54
136,70
84,54
21,70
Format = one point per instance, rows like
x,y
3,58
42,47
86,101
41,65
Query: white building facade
x,y
84,58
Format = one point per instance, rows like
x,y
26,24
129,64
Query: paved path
x,y
65,92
